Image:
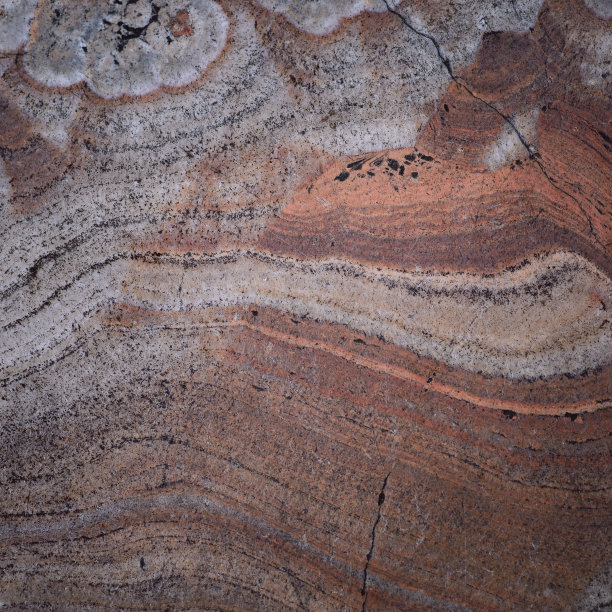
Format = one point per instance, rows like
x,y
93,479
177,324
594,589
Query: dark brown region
x,y
180,24
32,164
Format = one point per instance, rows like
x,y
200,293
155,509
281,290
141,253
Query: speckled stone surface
x,y
305,305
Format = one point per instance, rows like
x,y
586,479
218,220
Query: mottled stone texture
x,y
305,305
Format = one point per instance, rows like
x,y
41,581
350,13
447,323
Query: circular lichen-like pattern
x,y
126,47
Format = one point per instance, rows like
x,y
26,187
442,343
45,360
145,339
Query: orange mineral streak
x,y
131,316
407,208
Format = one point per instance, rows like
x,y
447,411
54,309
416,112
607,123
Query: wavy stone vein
x,y
464,320
305,305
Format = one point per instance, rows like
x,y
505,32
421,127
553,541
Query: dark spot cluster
x,y
419,159
356,166
443,114
389,165
394,166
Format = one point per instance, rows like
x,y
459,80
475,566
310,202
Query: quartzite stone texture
x,y
305,305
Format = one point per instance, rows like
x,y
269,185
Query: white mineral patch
x,y
320,17
602,8
5,188
15,19
125,48
50,114
597,67
509,145
599,592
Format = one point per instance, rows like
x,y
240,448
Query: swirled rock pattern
x,y
305,305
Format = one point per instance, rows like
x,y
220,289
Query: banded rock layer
x,y
326,328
